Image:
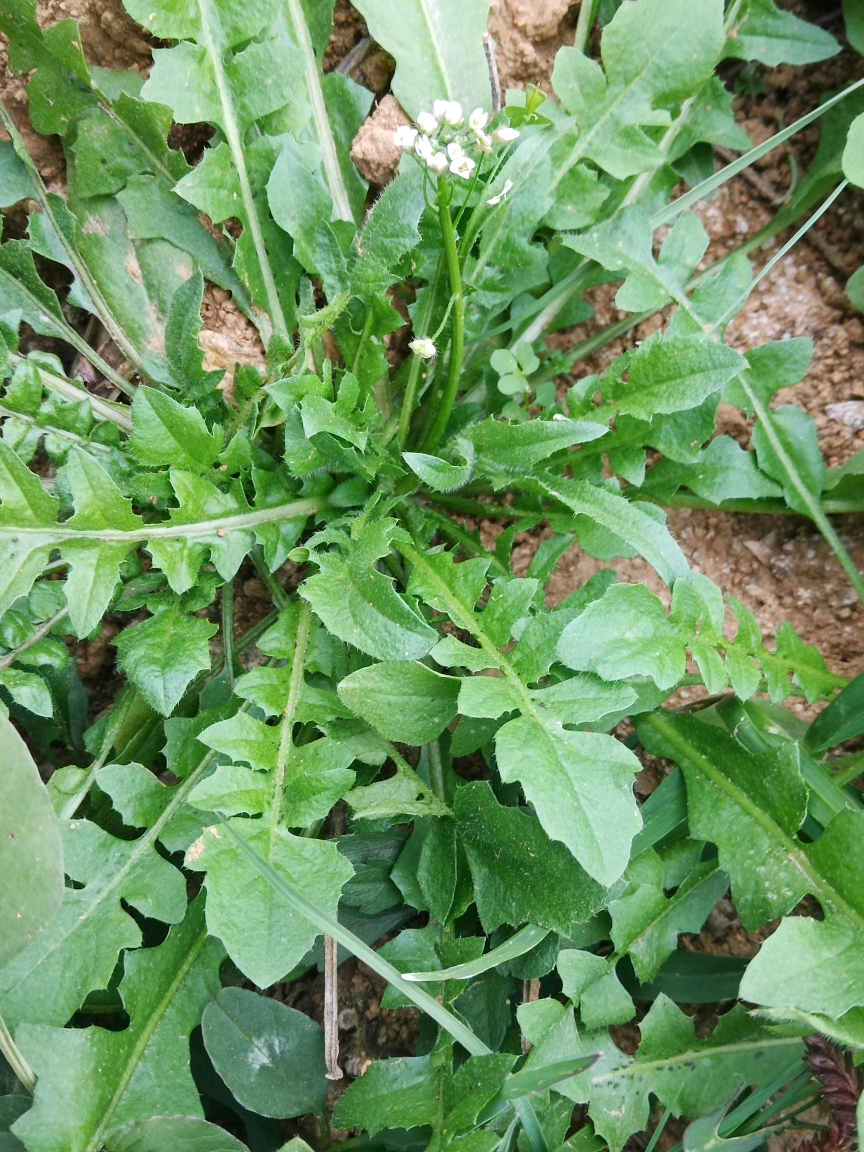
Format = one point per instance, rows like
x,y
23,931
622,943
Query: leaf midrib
x,y
819,885
137,1053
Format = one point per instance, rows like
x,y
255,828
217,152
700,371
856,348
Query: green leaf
x,y
591,982
646,923
649,537
520,875
390,232
815,966
798,434
655,54
92,1080
438,48
436,473
31,853
269,1055
752,806
625,633
360,605
263,934
398,1093
771,36
28,690
728,472
842,720
162,655
688,1076
676,374
581,786
503,447
853,153
165,432
179,1133
15,182
406,702
854,17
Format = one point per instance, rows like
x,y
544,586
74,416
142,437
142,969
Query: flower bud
x,y
438,163
427,123
505,135
404,138
423,348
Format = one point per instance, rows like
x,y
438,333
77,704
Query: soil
x,y
778,566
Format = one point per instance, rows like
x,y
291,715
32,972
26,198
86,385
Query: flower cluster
x,y
441,136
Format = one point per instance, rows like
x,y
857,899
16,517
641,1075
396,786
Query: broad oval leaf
x,y
406,702
269,1055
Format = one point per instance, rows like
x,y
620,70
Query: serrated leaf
x,y
646,923
503,447
360,605
78,951
92,1080
269,1055
402,1092
520,875
263,934
798,435
650,538
31,852
677,374
655,55
15,182
436,473
591,982
406,702
581,786
626,633
163,654
28,690
165,432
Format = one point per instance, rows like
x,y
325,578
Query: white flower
x,y
427,123
404,138
453,113
502,195
462,166
505,135
483,142
478,120
423,148
438,163
455,150
424,348
439,110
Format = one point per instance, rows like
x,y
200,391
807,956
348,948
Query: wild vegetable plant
x,y
191,846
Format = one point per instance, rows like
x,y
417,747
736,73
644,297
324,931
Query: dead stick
x,y
494,78
331,1009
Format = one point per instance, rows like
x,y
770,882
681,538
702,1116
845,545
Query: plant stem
x,y
457,342
414,374
228,631
584,24
40,632
280,597
810,502
286,742
211,42
15,1060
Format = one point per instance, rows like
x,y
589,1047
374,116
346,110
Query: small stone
x,y
373,151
